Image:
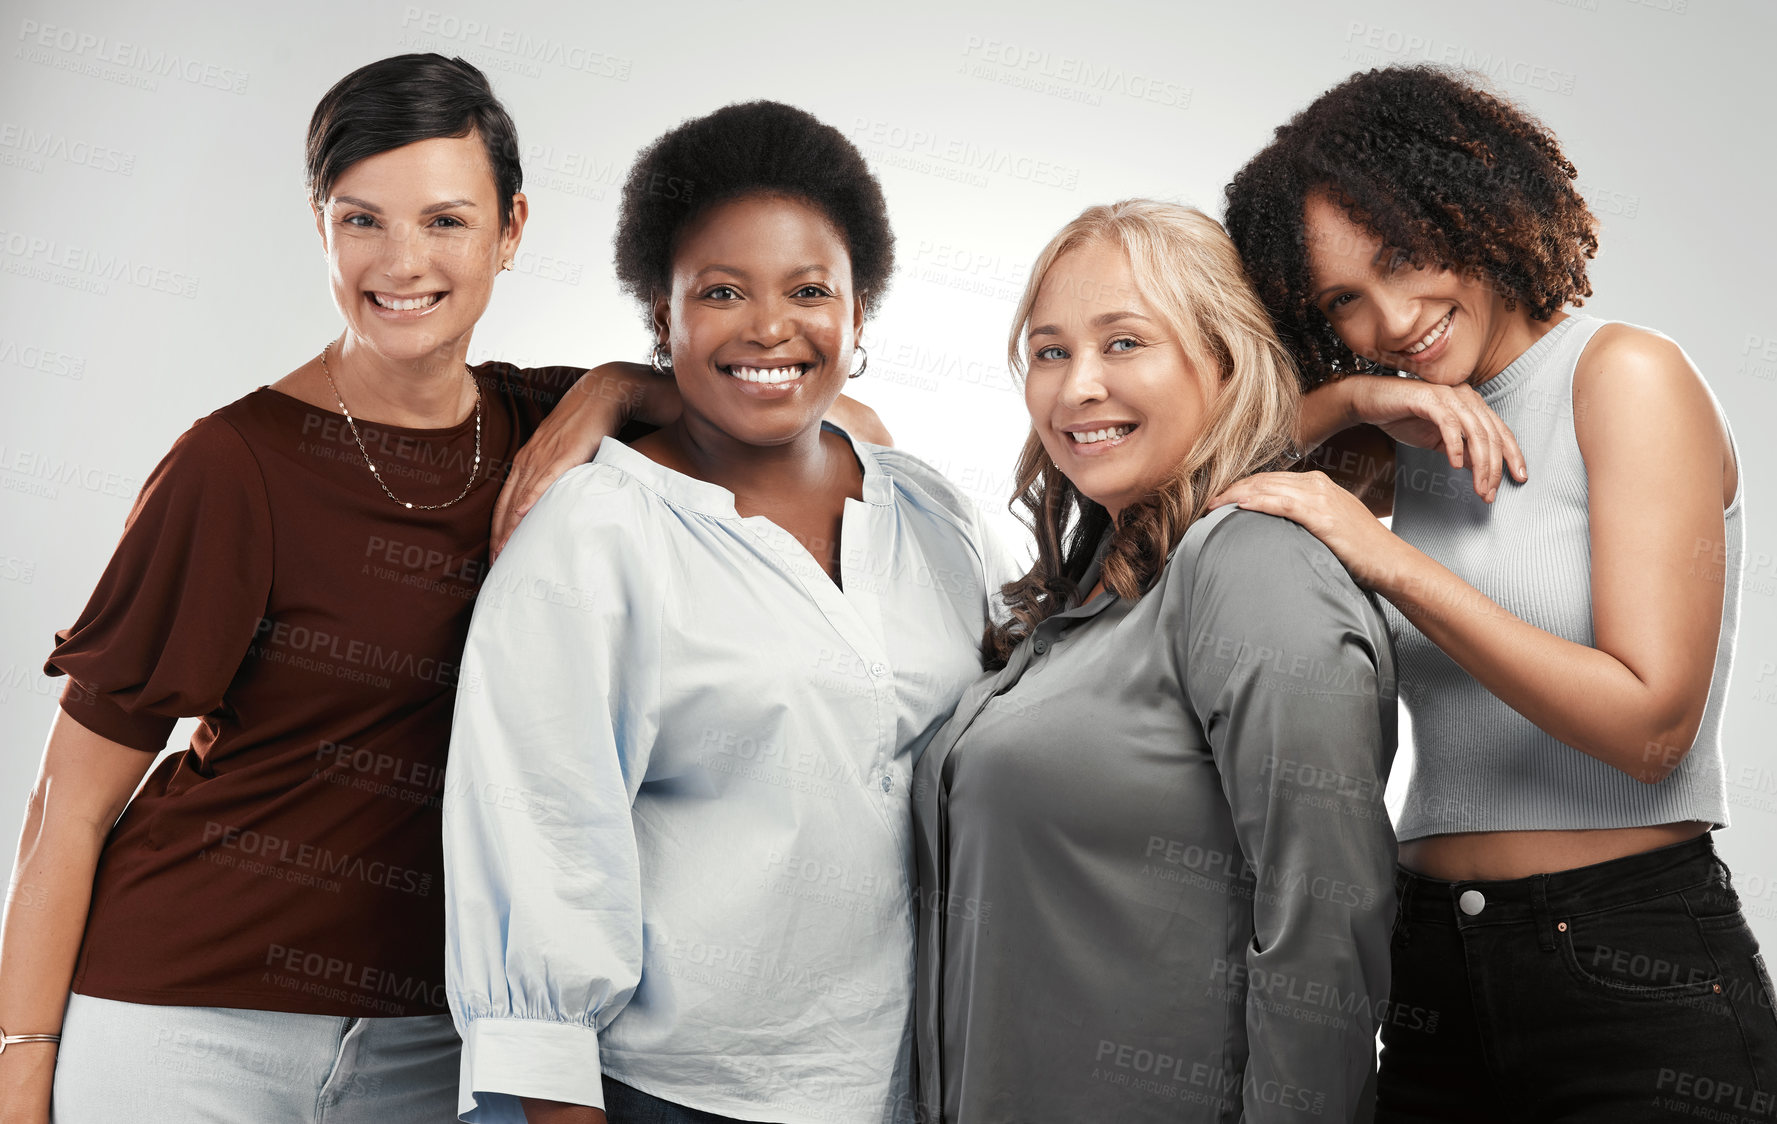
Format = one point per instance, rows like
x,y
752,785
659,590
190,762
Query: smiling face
x,y
413,244
1112,394
1430,322
761,320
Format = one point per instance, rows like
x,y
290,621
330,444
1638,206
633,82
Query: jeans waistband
x,y
1581,890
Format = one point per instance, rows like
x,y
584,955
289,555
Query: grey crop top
x,y
1479,765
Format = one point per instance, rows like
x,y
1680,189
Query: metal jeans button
x,y
1471,902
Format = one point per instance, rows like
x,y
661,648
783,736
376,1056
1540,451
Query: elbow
x,y
36,806
1653,774
54,831
1664,746
58,809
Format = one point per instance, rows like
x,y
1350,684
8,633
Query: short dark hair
x,y
751,148
1438,168
408,98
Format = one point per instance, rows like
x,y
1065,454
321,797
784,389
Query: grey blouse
x,y
1156,873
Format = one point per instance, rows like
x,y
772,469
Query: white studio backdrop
x,y
157,257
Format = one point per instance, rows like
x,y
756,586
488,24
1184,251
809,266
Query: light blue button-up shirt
x,y
676,829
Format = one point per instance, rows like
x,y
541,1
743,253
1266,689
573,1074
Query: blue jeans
x,y
627,1105
1621,992
148,1064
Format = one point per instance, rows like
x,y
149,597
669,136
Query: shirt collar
x,y
705,498
1089,579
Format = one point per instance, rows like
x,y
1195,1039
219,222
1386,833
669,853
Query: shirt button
x,y
879,669
887,783
1471,902
1040,647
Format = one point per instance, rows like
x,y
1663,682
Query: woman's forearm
x,y
627,392
1579,695
1325,410
46,909
81,789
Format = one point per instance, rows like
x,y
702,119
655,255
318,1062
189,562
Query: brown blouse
x,y
290,858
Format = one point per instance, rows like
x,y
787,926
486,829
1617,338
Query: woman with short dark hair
x,y
677,841
1565,635
261,935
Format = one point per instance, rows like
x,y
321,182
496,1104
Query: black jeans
x,y
1627,991
625,1104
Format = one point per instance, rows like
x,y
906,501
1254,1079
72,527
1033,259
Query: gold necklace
x,y
356,436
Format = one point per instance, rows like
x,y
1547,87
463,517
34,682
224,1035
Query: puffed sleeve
x,y
172,617
1291,674
550,740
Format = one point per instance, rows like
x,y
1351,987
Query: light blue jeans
x,y
147,1064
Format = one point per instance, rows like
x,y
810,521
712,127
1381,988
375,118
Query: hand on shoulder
x,y
1327,512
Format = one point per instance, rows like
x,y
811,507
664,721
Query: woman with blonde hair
x,y
1155,865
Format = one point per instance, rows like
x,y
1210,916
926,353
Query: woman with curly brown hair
x,y
1155,868
1565,639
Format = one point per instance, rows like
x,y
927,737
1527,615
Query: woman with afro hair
x,y
1564,633
678,845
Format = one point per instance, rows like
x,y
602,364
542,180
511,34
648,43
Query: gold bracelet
x,y
8,1039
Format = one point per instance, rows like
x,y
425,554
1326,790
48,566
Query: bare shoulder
x,y
1634,386
1630,343
1626,372
1622,361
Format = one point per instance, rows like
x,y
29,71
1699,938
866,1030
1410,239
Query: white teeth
x,y
767,375
411,305
1431,337
1093,435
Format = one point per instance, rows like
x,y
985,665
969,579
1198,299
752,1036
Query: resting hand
x,y
1454,420
1337,518
601,403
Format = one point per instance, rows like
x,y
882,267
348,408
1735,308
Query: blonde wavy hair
x,y
1188,270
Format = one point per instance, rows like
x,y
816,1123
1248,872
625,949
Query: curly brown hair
x,y
1188,271
1441,170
